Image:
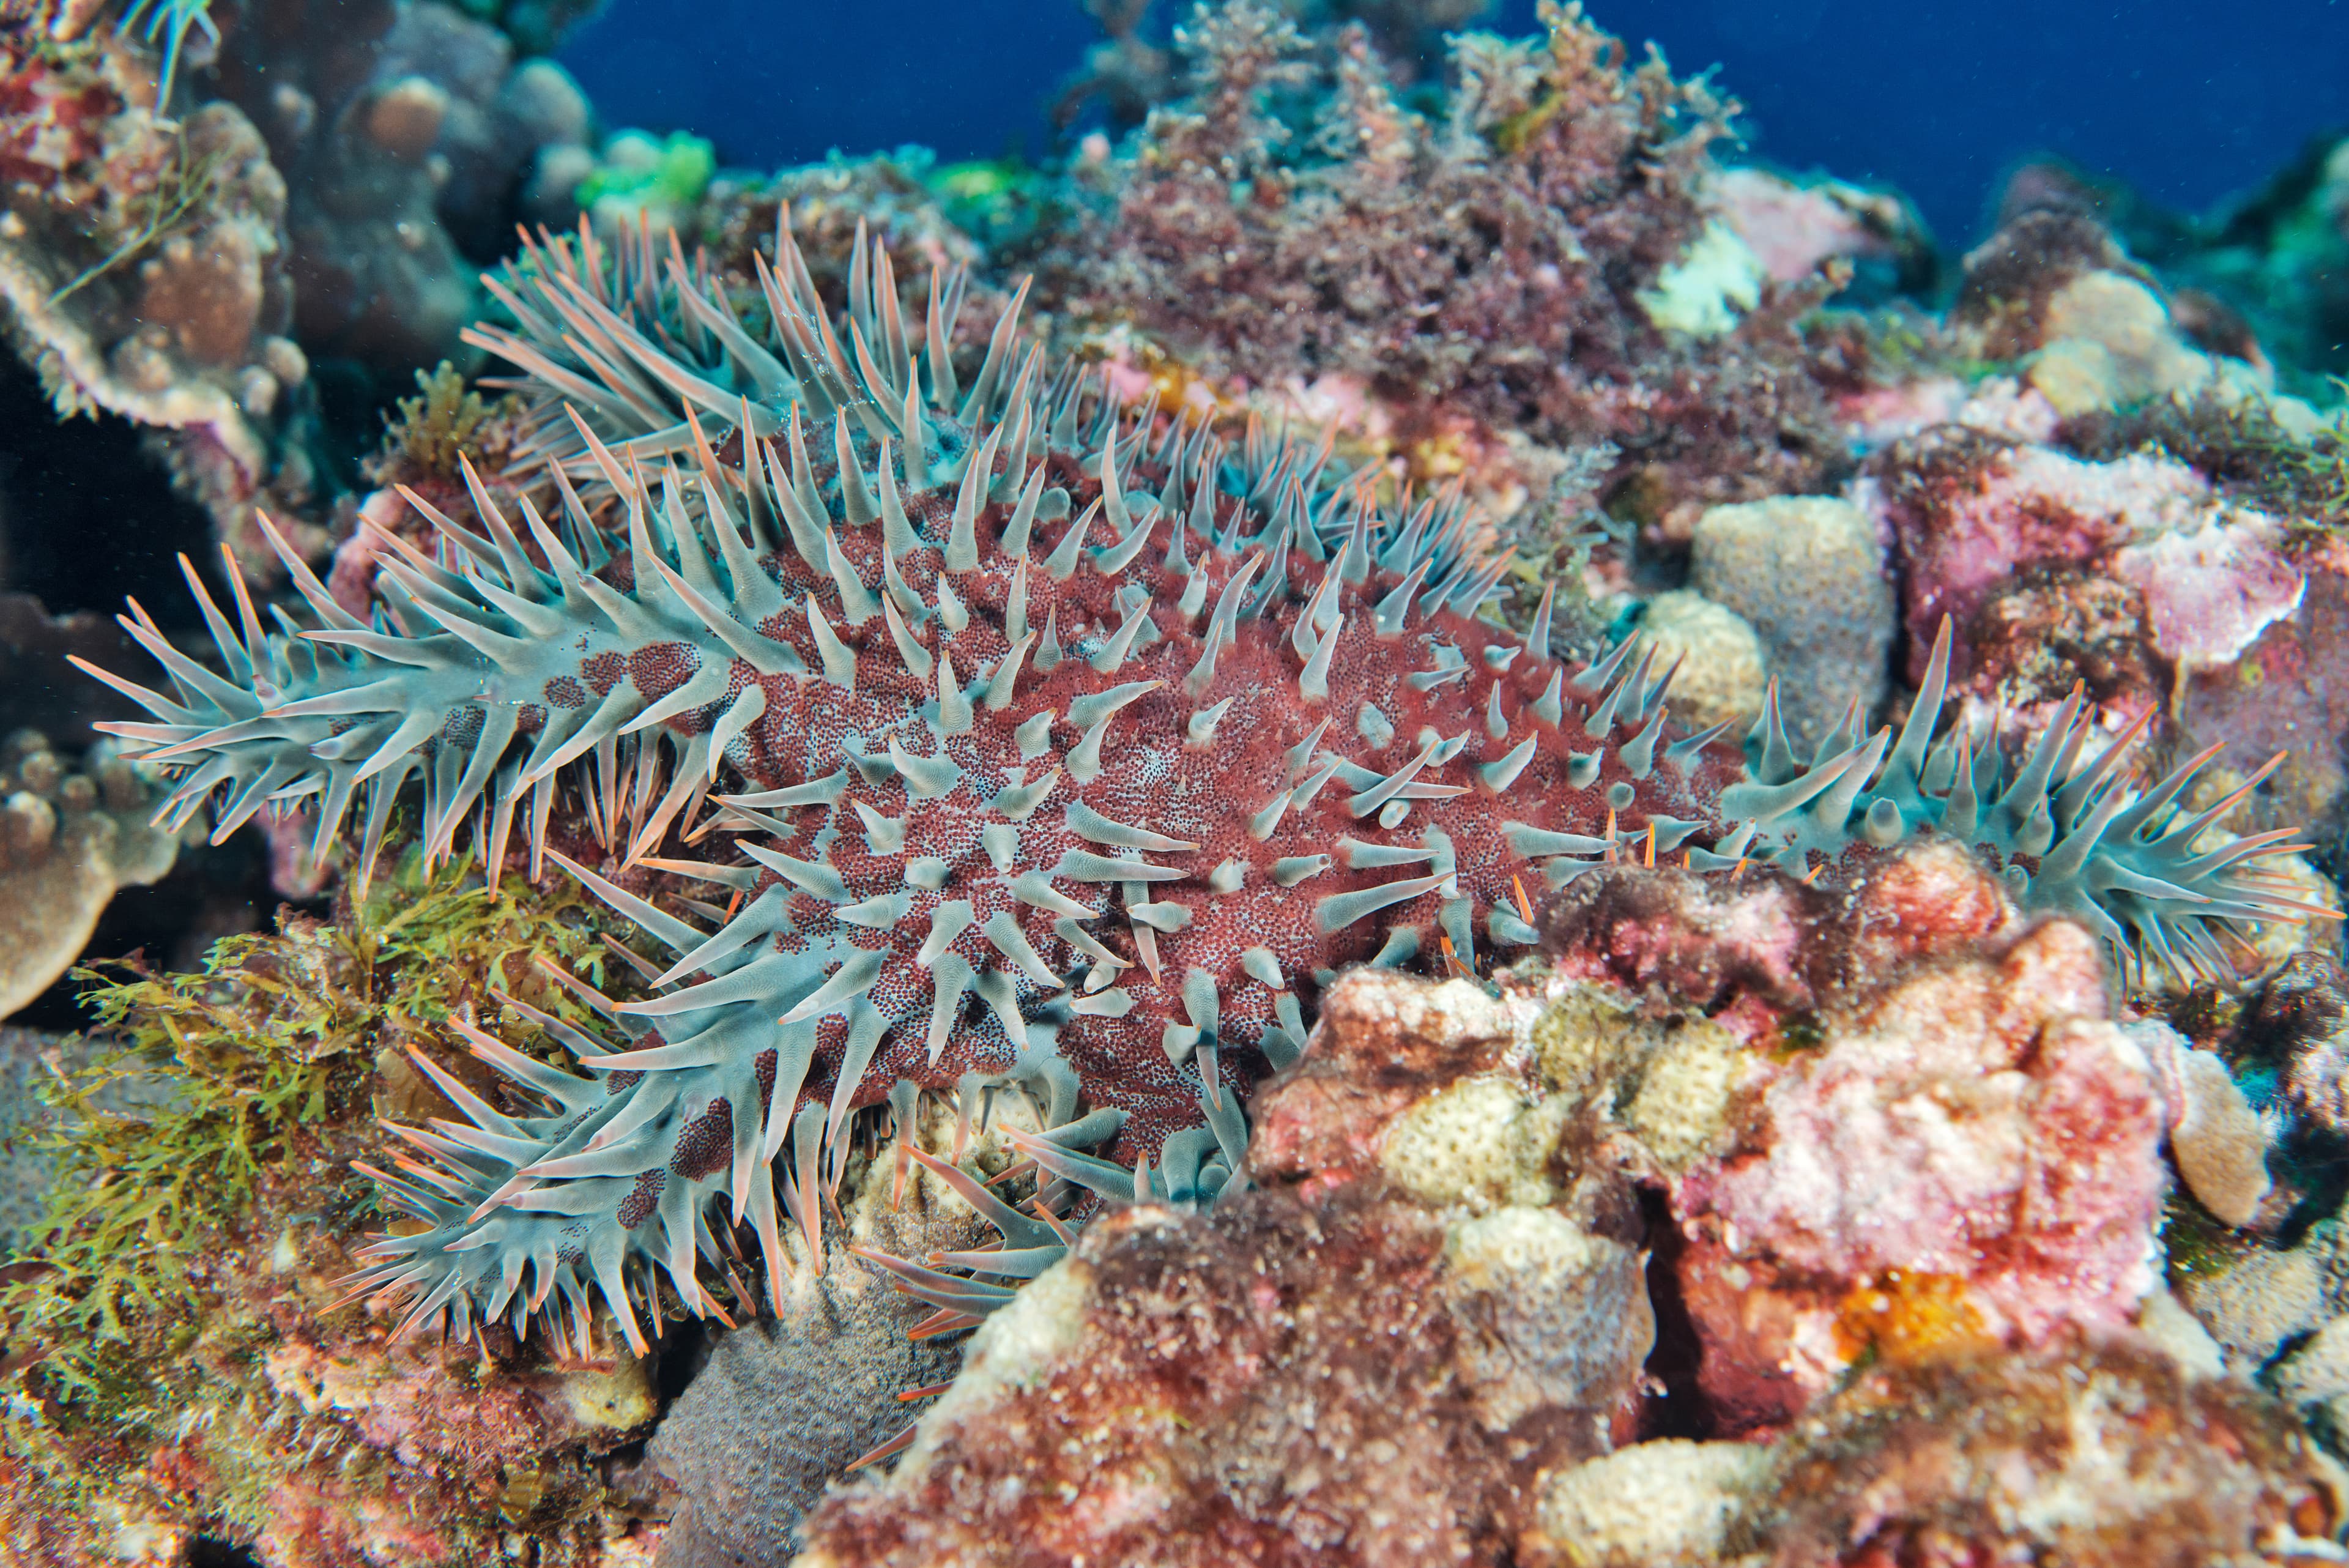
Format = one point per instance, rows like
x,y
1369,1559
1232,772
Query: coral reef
x,y
1459,1166
1128,73
899,200
2259,278
639,180
1993,1134
1313,1386
787,1404
430,443
1668,1504
183,273
2158,535
1794,226
1722,679
142,268
1059,920
2092,1452
689,638
1189,976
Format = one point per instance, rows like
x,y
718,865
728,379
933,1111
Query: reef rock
x,y
1901,1162
2136,577
2088,1453
1947,1138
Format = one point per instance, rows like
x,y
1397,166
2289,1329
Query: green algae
x,y
2195,1245
131,1293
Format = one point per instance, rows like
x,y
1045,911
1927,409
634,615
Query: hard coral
x,y
1808,575
781,1408
1719,657
786,1404
403,132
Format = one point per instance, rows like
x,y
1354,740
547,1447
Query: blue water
x,y
2185,100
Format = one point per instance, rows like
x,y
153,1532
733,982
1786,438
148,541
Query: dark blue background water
x,y
2186,99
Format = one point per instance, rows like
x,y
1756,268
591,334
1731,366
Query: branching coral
x,y
1077,747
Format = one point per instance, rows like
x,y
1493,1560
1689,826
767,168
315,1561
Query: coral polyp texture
x,y
1069,748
